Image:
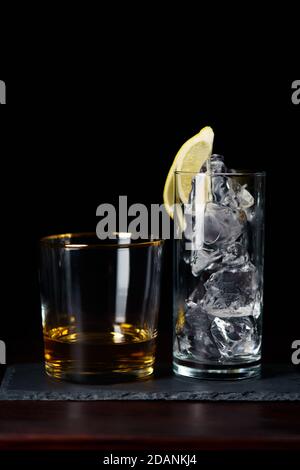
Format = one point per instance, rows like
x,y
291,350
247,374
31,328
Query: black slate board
x,y
29,382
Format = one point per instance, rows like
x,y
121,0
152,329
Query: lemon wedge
x,y
190,158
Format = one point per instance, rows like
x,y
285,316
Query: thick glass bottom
x,y
216,371
95,377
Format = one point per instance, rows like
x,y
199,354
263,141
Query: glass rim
x,y
57,240
227,173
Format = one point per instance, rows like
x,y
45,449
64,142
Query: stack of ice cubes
x,y
220,319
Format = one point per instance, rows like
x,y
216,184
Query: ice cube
x,y
182,344
222,225
228,192
195,337
231,291
198,324
217,164
198,293
219,183
245,199
235,254
202,259
219,188
235,336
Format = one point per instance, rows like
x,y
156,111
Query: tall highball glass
x,y
218,285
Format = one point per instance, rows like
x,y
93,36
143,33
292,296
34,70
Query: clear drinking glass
x,y
100,302
218,285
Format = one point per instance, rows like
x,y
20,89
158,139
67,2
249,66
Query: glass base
x,y
217,372
105,377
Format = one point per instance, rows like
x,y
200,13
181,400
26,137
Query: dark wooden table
x,y
29,428
149,425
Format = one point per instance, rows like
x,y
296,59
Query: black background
x,y
80,136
